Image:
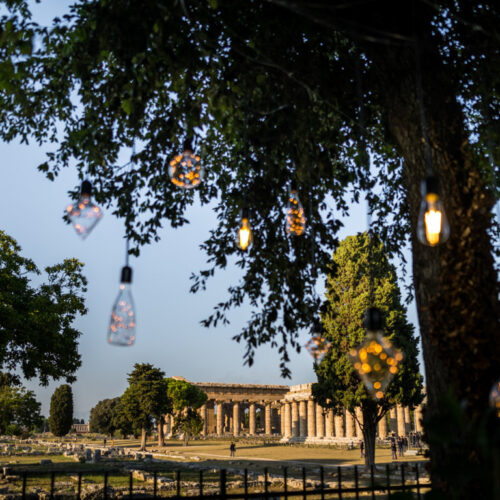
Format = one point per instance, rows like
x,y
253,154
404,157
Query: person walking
x,y
393,449
232,449
362,449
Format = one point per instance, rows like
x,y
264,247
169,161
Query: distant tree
x,y
186,400
105,416
36,335
145,399
20,411
61,411
348,297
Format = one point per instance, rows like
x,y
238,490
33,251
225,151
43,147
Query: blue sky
x,y
168,331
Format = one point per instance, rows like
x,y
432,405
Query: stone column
x,y
329,424
236,418
288,419
311,418
349,425
220,418
268,429
407,420
393,420
401,420
359,420
382,427
251,419
282,422
339,426
203,415
295,419
320,421
302,419
418,415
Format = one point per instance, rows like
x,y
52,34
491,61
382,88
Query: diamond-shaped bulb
x,y
376,361
495,397
84,215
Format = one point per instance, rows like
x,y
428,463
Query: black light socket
x,y
373,319
430,185
245,213
86,188
126,274
293,185
317,326
188,144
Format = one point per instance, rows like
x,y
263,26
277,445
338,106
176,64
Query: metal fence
x,y
349,482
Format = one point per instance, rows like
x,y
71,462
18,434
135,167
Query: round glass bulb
x,y
185,170
495,397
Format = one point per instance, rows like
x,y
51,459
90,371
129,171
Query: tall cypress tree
x,y
356,262
61,411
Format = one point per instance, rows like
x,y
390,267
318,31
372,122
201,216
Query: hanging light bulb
x,y
295,218
375,359
244,238
122,324
185,169
495,397
433,227
84,215
317,345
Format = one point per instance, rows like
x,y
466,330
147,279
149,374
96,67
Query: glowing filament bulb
x,y
295,218
186,170
122,323
84,215
433,227
245,236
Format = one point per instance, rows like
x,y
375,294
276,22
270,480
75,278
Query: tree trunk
x,y
143,439
369,429
455,284
161,435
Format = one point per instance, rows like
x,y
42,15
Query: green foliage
x,y
61,411
145,398
189,423
106,416
186,399
20,411
348,297
185,395
36,335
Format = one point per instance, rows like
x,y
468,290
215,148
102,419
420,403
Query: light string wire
x,y
420,98
127,240
365,159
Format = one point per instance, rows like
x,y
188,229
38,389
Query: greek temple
x,y
289,412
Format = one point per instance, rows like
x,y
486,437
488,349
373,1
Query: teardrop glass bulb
x,y
122,322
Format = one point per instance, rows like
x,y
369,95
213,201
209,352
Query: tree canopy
x,y
273,92
361,277
20,411
145,400
105,416
36,332
61,411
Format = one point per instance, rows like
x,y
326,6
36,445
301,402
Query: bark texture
x,y
456,284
